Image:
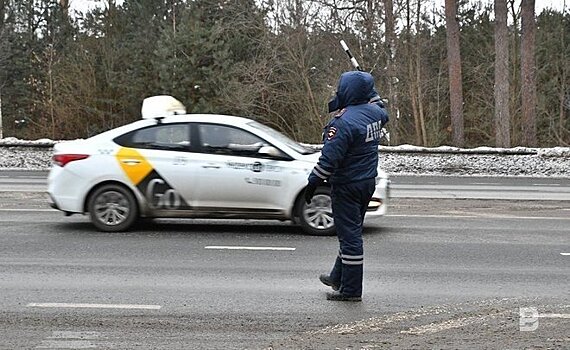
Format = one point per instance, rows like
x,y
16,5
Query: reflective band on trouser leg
x,y
352,273
352,262
352,259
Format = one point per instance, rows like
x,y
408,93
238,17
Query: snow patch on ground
x,y
475,164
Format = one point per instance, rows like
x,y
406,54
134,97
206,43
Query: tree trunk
x,y
390,39
64,5
419,76
514,69
455,80
502,117
1,128
528,74
411,76
3,4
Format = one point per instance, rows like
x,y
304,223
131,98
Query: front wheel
x,y
112,208
316,218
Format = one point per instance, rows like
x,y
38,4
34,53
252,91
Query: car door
x,y
156,159
233,174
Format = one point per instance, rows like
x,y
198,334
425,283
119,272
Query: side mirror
x,y
270,151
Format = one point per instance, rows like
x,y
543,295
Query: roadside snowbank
x,y
396,160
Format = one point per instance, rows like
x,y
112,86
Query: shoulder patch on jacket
x,y
340,113
332,131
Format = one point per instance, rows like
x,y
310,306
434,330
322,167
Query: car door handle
x,y
131,161
211,166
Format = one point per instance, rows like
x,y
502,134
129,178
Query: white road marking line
x,y
451,324
27,210
565,254
95,306
66,344
75,335
248,248
492,216
430,216
482,216
554,316
72,340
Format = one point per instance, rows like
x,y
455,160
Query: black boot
x,y
327,281
337,296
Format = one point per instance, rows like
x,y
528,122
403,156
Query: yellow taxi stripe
x,y
134,164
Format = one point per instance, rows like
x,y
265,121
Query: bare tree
x,y
64,5
455,80
502,117
411,75
528,73
514,62
390,69
418,77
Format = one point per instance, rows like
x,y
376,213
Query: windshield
x,y
282,138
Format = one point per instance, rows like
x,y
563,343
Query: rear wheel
x,y
112,208
316,218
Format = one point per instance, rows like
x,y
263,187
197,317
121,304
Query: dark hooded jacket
x,y
351,138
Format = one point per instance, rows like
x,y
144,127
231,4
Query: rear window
x,y
161,136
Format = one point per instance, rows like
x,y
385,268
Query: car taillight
x,y
63,159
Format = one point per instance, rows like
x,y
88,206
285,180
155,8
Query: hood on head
x,y
354,87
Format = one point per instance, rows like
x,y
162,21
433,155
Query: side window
x,y
219,139
174,137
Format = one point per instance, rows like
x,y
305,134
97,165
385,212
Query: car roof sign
x,y
158,107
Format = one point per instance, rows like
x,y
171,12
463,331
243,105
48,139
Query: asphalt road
x,y
439,273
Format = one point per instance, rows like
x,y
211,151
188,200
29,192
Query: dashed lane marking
x,y
67,344
95,306
431,216
480,216
72,340
249,248
565,254
451,324
554,316
27,210
74,335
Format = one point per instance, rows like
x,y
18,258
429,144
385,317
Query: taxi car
x,y
171,164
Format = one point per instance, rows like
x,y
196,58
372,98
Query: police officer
x,y
349,163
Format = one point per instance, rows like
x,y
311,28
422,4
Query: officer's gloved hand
x,y
310,192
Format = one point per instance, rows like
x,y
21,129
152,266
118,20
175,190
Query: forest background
x,y
462,73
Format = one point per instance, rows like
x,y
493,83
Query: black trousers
x,y
349,204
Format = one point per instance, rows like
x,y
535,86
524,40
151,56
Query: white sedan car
x,y
171,165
